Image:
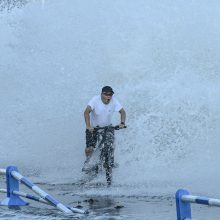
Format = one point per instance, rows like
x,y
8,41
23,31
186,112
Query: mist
x,y
162,60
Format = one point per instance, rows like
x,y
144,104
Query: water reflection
x,y
105,205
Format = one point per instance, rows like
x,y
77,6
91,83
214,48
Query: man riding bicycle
x,y
98,113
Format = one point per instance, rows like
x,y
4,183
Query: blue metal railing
x,y
13,178
183,200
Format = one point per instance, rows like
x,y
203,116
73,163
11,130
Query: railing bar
x,y
26,195
31,197
3,190
40,192
201,200
41,200
2,171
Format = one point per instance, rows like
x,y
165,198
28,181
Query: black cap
x,y
107,89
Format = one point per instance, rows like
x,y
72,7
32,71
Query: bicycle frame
x,y
103,155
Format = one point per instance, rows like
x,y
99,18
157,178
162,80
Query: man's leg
x,y
91,139
89,151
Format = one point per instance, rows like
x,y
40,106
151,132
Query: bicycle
x,y
103,155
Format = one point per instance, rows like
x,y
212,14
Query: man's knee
x,y
89,151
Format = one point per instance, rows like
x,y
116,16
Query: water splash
x,y
11,4
158,58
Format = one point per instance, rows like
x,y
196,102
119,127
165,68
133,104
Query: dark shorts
x,y
91,137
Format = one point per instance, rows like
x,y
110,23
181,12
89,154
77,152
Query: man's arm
x,y
87,117
123,117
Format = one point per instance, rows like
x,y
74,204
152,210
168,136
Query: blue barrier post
x,y
183,209
12,184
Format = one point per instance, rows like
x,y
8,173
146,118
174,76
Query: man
x,y
99,112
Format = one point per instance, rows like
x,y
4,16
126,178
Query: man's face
x,y
106,97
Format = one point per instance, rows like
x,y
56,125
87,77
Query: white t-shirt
x,y
101,114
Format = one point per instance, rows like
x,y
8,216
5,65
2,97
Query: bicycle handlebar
x,y
109,126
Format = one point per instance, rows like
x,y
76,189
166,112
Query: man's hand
x,y
90,129
122,125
